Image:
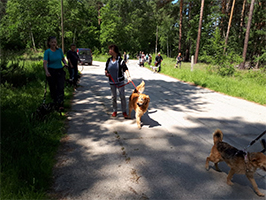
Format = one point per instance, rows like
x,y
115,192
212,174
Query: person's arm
x,y
128,76
64,61
125,69
69,62
106,66
106,73
45,63
46,68
79,58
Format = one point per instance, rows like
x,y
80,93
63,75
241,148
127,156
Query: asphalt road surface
x,y
110,158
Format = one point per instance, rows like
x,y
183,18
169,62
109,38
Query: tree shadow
x,y
108,157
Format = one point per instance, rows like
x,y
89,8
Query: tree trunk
x,y
156,40
99,6
199,32
74,37
62,26
242,19
180,25
189,42
242,66
228,6
223,17
229,25
167,47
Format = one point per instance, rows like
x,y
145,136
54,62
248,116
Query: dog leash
x,y
255,140
121,85
250,144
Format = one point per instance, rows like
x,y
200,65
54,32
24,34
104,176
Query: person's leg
x,y
71,72
180,65
123,99
60,83
159,67
75,69
52,84
113,93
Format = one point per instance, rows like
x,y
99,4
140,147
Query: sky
x,y
174,1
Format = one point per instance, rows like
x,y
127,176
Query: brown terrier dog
x,y
239,161
139,102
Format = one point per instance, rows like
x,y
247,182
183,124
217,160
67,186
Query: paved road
x,y
110,158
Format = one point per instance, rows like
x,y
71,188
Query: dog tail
x,y
140,88
217,136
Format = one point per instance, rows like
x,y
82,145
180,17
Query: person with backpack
x,y
115,69
55,74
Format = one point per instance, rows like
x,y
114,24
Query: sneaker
x,y
125,115
114,114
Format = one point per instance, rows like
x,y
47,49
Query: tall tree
x,y
180,25
229,24
199,32
222,24
242,18
242,66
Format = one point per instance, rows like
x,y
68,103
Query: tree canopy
x,y
134,24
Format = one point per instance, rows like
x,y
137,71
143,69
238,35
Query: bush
x,y
28,146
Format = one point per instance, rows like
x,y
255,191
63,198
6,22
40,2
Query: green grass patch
x,y
249,85
101,58
28,146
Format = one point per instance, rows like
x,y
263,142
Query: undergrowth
x,y
28,145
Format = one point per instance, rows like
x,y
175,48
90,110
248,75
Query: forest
x,y
232,30
224,36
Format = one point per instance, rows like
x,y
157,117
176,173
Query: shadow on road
x,y
153,163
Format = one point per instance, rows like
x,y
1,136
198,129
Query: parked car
x,y
85,55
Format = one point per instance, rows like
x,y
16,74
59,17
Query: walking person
x,y
158,61
125,57
115,69
139,56
142,59
150,59
178,59
55,74
73,59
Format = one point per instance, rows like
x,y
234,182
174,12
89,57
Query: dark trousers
x,y
159,66
73,73
56,84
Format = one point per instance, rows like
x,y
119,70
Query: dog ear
x,y
147,100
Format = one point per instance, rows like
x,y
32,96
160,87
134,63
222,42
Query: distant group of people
x,y
144,58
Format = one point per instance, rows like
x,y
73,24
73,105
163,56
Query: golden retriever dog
x,y
139,102
239,161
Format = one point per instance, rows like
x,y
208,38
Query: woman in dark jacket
x,y
115,69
